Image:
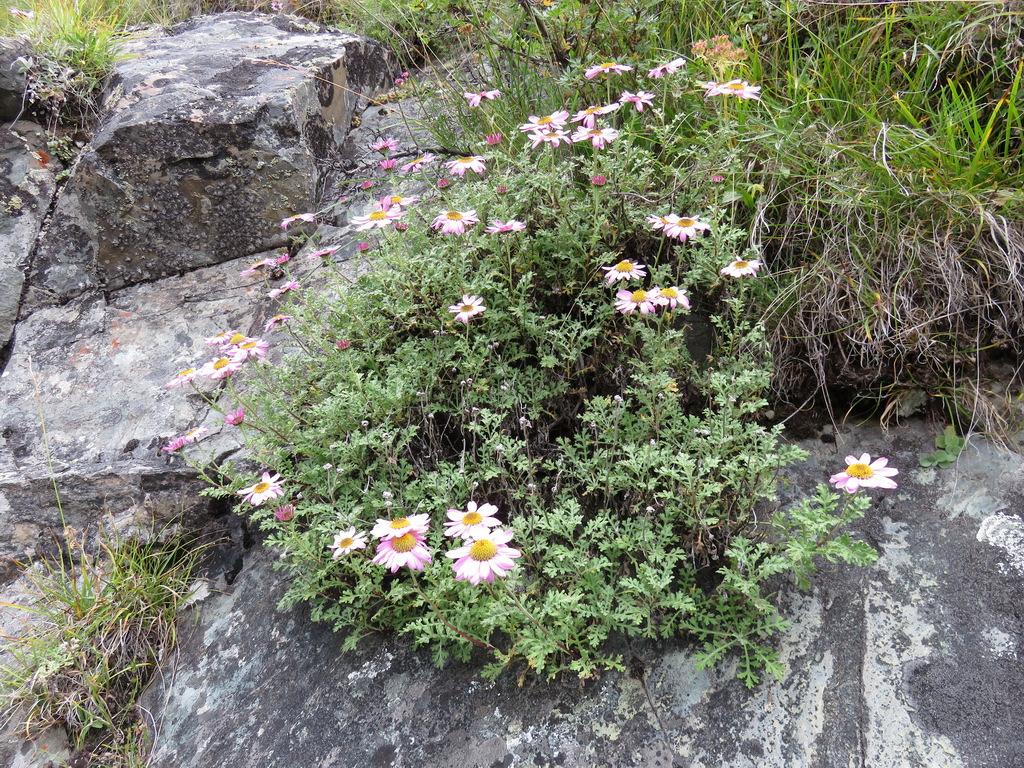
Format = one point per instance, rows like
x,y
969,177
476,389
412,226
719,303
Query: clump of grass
x,y
98,627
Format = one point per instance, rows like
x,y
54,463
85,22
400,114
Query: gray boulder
x,y
12,77
213,132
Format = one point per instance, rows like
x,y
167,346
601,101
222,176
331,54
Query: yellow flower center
x,y
404,543
465,160
483,550
735,86
466,308
401,522
378,215
624,266
348,541
686,222
261,487
454,215
638,297
248,345
860,471
472,518
544,120
187,371
670,293
608,65
220,363
741,264
237,338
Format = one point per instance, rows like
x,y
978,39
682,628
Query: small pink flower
x,y
473,523
717,178
247,348
405,550
389,529
864,473
667,69
401,226
474,99
223,339
183,378
588,116
630,301
189,437
493,138
388,164
624,270
638,100
500,190
599,137
268,488
324,252
741,89
470,307
399,200
455,222
484,558
347,541
683,227
554,137
418,163
378,219
742,268
291,285
366,184
383,145
285,223
235,417
511,225
282,259
672,297
285,512
599,180
257,268
553,121
606,68
343,345
443,183
220,368
275,321
459,167
363,247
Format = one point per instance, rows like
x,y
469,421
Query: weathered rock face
x,y
12,77
213,133
913,662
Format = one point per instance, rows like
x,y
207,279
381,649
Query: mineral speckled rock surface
x,y
912,662
213,132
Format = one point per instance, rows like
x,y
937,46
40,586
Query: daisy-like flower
x,y
220,368
268,488
741,89
229,343
470,307
672,297
291,285
669,68
285,223
183,378
377,219
741,268
605,68
554,137
455,222
285,512
189,437
235,417
275,321
389,529
492,139
250,348
638,100
864,473
257,268
459,167
400,200
474,99
599,137
475,522
319,254
484,558
624,270
511,225
553,121
418,163
683,227
588,116
630,301
388,163
383,145
405,550
347,541
222,339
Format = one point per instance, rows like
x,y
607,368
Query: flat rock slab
x,y
214,132
912,662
